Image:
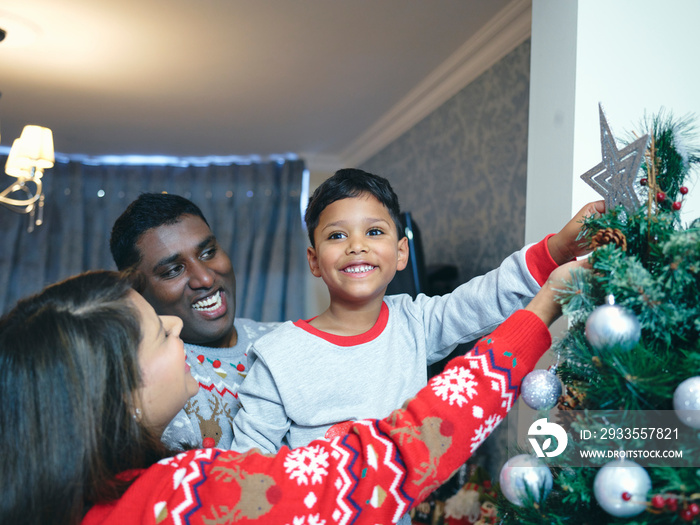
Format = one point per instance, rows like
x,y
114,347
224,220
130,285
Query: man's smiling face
x,y
188,275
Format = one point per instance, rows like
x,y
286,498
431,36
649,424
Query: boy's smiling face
x,y
357,251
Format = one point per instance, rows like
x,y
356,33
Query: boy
x,y
367,353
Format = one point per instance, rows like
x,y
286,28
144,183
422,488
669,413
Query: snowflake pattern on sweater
x,y
374,474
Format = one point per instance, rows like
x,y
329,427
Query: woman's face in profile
x,y
167,381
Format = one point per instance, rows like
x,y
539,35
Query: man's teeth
x,y
359,269
210,303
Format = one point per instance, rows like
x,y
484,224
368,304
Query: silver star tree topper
x,y
614,177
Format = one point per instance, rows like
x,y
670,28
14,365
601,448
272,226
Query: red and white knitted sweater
x,y
375,474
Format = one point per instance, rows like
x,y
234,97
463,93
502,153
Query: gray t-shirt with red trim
x,y
304,384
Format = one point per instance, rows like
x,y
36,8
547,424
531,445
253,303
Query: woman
x,y
90,376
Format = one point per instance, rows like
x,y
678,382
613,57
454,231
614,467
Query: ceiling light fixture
x,y
29,156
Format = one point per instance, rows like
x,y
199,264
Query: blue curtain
x,y
252,208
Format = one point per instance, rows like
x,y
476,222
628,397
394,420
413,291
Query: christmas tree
x,y
631,355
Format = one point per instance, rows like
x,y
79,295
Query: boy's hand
x,y
544,304
563,246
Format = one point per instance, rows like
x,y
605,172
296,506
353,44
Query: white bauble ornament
x,y
611,325
541,389
620,488
523,477
686,402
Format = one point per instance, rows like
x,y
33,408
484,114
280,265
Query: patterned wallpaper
x,y
461,171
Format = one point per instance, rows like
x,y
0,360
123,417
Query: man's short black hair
x,y
149,210
346,183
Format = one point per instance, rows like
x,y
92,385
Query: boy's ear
x,y
313,261
402,261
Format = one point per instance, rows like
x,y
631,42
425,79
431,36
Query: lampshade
x,y
36,145
17,166
29,156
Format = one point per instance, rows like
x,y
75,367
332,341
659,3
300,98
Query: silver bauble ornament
x,y
611,325
523,477
686,402
620,488
541,389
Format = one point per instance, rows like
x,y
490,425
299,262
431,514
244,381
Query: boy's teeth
x,y
359,269
210,303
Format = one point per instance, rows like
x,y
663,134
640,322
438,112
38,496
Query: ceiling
x,y
332,81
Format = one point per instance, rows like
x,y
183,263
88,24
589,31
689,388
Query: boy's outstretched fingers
x,y
563,246
592,209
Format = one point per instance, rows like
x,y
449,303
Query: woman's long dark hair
x,y
68,374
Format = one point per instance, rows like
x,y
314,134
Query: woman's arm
x,y
375,474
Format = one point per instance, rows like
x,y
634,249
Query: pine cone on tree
x,y
569,405
571,398
607,236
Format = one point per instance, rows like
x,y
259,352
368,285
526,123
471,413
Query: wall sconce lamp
x,y
29,156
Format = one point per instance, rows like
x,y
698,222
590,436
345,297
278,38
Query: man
x,y
181,270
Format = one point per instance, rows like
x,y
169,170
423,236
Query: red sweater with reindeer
x,y
374,474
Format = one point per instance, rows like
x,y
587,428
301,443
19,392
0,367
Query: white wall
x,y
551,127
632,56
